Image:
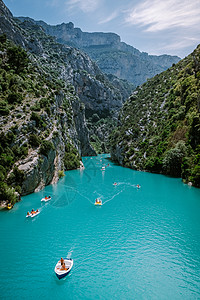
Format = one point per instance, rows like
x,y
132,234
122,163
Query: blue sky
x,y
153,26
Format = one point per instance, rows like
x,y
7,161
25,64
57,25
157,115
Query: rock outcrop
x,y
111,55
42,118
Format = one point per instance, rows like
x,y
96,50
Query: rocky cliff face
x,y
8,26
38,132
92,86
40,169
43,128
111,55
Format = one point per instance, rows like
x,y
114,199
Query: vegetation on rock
x,y
28,117
159,125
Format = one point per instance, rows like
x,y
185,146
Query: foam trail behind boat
x,y
113,197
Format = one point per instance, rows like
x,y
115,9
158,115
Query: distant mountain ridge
x,y
112,56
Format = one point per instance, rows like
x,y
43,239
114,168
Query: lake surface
x,y
140,244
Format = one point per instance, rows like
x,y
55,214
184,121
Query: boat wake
x,y
127,184
110,199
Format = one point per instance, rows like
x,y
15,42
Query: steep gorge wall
x,y
112,56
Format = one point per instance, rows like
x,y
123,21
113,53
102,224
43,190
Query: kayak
x,y
68,266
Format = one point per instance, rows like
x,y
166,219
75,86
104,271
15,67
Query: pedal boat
x,y
68,266
9,206
35,214
98,202
32,215
46,199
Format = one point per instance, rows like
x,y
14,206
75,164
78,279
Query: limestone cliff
x,y
42,119
74,66
111,55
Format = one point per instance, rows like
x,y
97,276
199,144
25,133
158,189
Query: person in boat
x,y
45,197
98,200
32,212
49,197
63,267
138,186
28,213
37,211
62,261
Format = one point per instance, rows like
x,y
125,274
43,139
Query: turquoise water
x,y
140,244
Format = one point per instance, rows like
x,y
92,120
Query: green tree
x,y
17,59
173,159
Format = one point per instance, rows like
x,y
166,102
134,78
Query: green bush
x,y
17,59
173,159
34,140
14,98
16,177
195,176
71,157
4,111
45,147
44,102
71,161
7,193
61,173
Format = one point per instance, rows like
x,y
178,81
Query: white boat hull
x,y
62,273
45,199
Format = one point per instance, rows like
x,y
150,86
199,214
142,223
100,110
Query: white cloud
x,y
84,5
109,18
157,15
183,43
53,3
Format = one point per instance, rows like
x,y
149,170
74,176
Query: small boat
x,y
115,183
68,266
32,214
9,206
98,201
103,168
45,199
35,214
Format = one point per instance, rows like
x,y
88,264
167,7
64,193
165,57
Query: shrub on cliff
x,y
7,193
17,59
4,110
45,147
16,177
14,98
173,159
71,158
34,140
